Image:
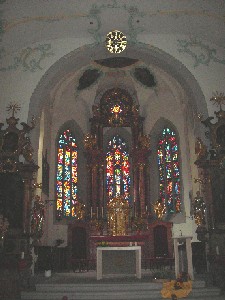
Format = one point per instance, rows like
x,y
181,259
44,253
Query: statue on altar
x,y
118,216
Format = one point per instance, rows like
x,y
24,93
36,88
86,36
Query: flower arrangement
x,y
178,288
179,282
103,244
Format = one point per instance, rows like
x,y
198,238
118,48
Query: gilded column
x,y
26,205
27,172
135,191
142,188
101,189
94,186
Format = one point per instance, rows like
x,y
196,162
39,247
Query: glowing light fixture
x,y
116,41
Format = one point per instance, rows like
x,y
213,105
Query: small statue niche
x,y
220,136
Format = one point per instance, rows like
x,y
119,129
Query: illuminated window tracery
x,y
66,180
117,169
169,171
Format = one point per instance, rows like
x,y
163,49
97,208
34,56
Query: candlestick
x,y
217,250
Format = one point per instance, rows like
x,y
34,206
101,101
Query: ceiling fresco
x,y
27,28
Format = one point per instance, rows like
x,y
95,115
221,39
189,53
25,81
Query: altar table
x,y
118,260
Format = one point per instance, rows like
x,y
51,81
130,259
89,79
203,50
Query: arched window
x,y
66,178
169,171
117,169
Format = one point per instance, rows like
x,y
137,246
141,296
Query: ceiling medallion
x,y
116,41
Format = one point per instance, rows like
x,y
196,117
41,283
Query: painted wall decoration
x,y
200,52
29,59
133,19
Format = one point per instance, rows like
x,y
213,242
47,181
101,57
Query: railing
x,y
158,263
84,265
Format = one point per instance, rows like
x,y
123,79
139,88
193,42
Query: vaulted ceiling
x,y
30,21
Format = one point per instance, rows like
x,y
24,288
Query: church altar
x,y
116,241
123,239
118,260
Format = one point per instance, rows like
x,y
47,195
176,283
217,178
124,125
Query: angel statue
x,y
200,149
144,141
90,141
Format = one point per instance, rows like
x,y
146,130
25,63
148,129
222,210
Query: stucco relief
x,y
29,59
201,53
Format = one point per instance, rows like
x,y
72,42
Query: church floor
x,y
85,286
90,277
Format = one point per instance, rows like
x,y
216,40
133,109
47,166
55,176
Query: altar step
x,y
119,291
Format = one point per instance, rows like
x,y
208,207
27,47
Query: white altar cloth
x,y
118,260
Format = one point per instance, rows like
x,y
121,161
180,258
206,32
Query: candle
x,y
217,250
97,212
91,212
146,208
22,255
102,211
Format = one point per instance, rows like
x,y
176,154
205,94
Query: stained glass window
x,y
117,169
66,185
169,171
